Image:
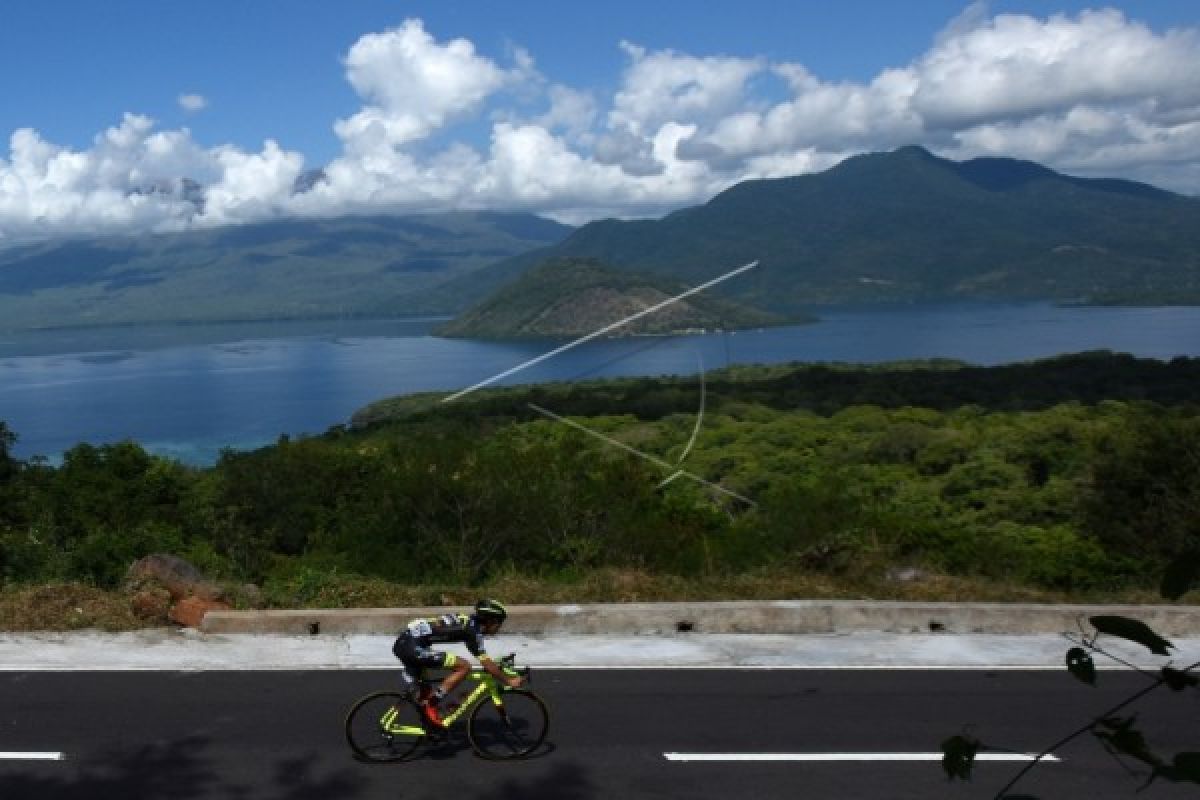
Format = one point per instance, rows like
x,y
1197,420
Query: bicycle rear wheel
x,y
512,730
384,726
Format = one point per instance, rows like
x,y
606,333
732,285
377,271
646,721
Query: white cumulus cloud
x,y
134,178
192,102
1095,93
413,85
1016,66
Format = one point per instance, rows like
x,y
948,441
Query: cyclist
x,y
412,647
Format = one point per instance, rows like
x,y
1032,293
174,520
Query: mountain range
x,y
363,266
907,226
897,227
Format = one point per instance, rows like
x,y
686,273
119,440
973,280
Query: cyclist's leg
x,y
417,659
411,670
459,669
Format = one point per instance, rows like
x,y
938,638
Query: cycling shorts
x,y
417,659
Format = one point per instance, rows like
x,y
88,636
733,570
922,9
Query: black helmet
x,y
490,611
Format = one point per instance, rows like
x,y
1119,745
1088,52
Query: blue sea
x,y
188,392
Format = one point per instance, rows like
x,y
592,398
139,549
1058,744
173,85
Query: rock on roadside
x,y
165,587
175,575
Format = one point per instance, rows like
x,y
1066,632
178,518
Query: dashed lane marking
x,y
16,756
828,757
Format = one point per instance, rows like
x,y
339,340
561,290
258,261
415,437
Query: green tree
x,y
9,468
107,506
1143,491
8,465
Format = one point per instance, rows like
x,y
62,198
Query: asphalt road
x,y
278,735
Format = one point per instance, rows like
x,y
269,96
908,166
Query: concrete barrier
x,y
777,616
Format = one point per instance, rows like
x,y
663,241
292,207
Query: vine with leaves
x,y
1115,729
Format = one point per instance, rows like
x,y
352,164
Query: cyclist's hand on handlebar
x,y
514,681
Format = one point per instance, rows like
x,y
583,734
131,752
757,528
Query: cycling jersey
x,y
413,649
447,628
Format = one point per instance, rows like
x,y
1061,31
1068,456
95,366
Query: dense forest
x,y
1079,474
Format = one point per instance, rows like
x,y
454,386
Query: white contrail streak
x,y
601,332
699,416
634,451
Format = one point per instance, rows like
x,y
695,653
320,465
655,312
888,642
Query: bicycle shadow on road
x,y
456,745
565,781
181,769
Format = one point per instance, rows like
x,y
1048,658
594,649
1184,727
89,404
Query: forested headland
x,y
1071,478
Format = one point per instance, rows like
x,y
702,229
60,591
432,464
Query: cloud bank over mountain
x,y
1091,94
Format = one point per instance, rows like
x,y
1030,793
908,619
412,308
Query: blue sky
x,y
552,106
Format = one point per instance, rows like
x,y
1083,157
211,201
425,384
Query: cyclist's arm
x,y
473,637
493,669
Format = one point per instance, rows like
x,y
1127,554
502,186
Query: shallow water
x,y
190,391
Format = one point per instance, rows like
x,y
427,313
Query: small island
x,y
570,297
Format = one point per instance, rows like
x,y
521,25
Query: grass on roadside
x,y
74,606
632,586
65,607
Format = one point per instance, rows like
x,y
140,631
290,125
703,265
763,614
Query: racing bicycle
x,y
502,723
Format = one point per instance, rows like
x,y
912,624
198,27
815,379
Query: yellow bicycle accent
x,y
502,723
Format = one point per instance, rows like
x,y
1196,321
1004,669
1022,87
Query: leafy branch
x,y
1118,735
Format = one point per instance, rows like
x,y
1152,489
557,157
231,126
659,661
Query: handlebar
x,y
508,664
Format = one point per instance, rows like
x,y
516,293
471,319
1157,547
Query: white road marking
x,y
823,667
11,756
293,666
827,757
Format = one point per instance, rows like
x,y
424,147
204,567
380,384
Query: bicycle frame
x,y
488,686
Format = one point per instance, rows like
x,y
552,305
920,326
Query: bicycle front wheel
x,y
513,729
384,726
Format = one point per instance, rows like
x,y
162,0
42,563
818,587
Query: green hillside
x,y
1073,479
908,226
574,297
285,269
